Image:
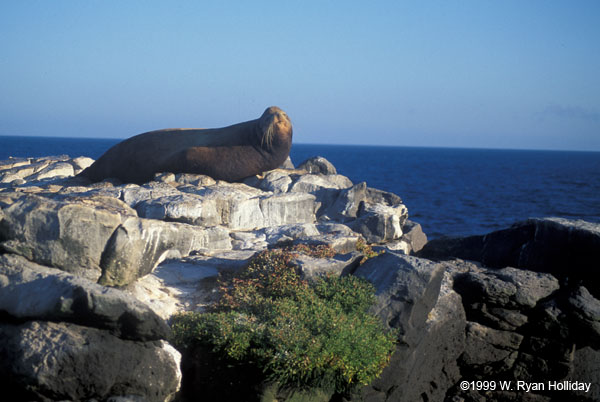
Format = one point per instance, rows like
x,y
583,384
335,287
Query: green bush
x,y
302,334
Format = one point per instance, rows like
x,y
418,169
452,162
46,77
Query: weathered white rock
x,y
318,164
70,234
81,163
286,233
248,240
137,245
197,180
380,223
180,207
29,291
276,181
21,172
283,209
236,206
186,285
347,203
59,169
133,195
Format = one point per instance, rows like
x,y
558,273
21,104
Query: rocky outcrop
x,y
562,247
64,337
530,308
519,304
164,244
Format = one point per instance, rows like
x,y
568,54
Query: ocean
x,y
449,191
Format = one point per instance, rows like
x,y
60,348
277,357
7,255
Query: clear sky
x,y
496,74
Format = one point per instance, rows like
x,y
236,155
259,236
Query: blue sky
x,y
494,74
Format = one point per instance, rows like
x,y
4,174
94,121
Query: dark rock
x,y
562,247
489,352
414,236
585,311
407,288
424,369
376,196
586,368
57,361
466,248
507,287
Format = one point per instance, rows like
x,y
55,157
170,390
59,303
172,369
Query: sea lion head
x,y
274,127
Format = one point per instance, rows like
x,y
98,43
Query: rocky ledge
x,y
91,273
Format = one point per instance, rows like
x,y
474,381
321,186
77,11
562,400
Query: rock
x,y
376,196
407,289
490,352
61,361
22,171
585,311
13,162
137,245
288,233
337,236
70,234
326,189
446,247
380,223
347,203
133,195
198,180
427,368
189,284
248,241
283,209
63,169
318,165
29,291
81,163
98,236
180,207
562,247
275,181
413,235
287,164
586,362
341,264
240,207
507,287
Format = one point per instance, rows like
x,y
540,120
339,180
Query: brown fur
x,y
230,153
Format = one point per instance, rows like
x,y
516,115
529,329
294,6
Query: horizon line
x,y
346,144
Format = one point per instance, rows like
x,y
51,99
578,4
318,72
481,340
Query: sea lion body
x,y
230,153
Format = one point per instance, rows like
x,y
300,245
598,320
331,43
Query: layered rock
x,y
530,307
520,304
164,243
67,338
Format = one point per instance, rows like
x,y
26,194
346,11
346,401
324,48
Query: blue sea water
x,y
449,191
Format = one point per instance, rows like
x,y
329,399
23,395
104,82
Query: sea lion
x,y
230,153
